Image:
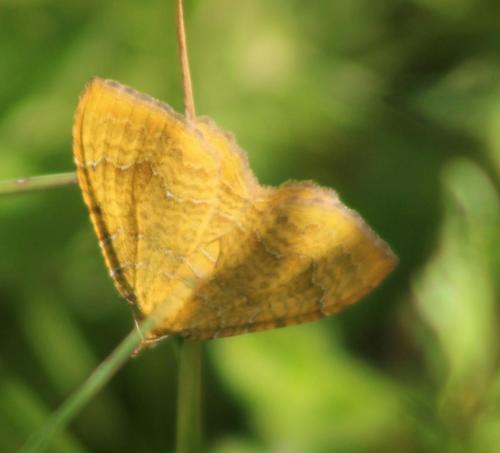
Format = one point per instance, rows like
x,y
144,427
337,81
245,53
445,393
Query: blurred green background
x,y
395,104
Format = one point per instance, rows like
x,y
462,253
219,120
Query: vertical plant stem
x,y
184,60
189,397
189,383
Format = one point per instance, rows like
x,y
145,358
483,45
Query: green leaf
x,y
457,294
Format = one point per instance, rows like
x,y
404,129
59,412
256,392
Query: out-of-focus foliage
x,y
456,296
395,104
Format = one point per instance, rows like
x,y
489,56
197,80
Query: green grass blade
x,y
189,420
40,440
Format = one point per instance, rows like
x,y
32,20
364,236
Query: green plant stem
x,y
36,183
189,383
39,441
189,398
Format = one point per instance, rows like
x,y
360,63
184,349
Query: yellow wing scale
x,y
181,217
